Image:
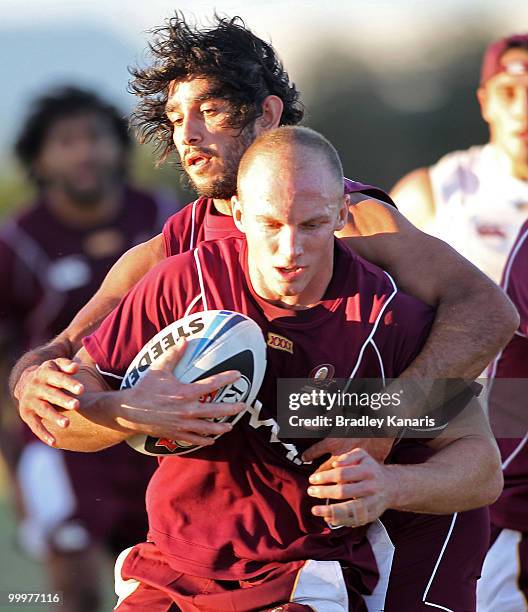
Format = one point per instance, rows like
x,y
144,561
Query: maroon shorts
x,y
437,560
145,581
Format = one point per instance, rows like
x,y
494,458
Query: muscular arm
x,y
464,473
467,301
474,318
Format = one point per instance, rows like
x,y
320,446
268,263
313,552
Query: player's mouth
x,y
197,161
290,273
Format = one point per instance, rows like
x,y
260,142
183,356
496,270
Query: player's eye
x,y
312,225
508,93
176,120
209,112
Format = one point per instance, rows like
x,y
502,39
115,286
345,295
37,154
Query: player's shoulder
x,y
360,191
381,283
213,254
221,251
26,223
364,278
193,211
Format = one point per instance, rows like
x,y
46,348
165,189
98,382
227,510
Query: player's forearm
x,y
94,426
465,474
469,329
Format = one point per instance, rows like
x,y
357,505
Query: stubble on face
x,y
223,185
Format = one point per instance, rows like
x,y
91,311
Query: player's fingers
x,y
207,428
43,410
196,434
59,380
353,513
170,357
349,473
343,490
210,384
35,424
216,410
358,455
58,398
67,365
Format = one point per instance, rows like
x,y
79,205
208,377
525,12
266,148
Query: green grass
x,y
19,573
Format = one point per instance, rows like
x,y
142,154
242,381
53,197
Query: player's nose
x,y
290,244
191,130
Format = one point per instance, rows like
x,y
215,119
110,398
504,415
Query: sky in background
x,y
92,41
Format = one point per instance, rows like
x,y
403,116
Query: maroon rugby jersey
x,y
200,220
239,507
511,509
49,269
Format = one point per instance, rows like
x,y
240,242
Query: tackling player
x,y
208,94
268,545
476,200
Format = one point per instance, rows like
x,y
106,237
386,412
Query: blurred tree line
x,y
384,123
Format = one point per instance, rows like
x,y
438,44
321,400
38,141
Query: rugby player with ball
x,y
233,525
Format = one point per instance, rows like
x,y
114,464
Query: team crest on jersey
x,y
280,343
323,372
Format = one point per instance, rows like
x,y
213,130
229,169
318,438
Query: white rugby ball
x,y
217,341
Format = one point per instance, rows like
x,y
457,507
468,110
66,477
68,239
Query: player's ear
x,y
482,97
238,215
272,108
342,213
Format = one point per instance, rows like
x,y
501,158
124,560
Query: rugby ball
x,y
217,341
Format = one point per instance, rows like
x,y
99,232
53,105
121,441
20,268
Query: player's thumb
x,y
67,365
170,357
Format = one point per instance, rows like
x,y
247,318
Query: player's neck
x,y
72,213
515,166
519,169
223,207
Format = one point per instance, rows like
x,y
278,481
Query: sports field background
x,y
391,85
18,572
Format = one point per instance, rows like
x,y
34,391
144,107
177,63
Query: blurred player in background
x,y
53,256
504,582
476,200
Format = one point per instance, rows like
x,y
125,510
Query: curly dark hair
x,y
244,68
64,101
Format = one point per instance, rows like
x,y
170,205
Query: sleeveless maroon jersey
x,y
50,269
511,509
200,220
239,507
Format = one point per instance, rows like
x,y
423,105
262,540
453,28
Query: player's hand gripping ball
x,y
217,341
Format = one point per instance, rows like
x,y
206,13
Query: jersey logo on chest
x,y
280,343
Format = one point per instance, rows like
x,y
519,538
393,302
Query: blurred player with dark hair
x,y
53,256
